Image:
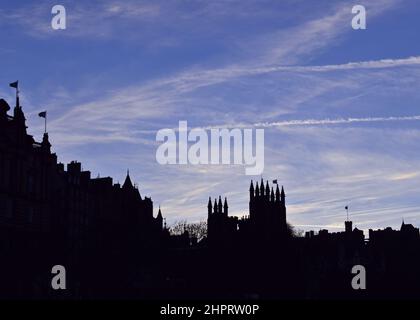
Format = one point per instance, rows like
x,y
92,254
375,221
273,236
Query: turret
x,y
277,194
209,207
159,219
220,206
272,194
46,145
127,183
251,190
257,190
18,114
267,190
130,189
215,206
20,123
348,226
262,187
225,207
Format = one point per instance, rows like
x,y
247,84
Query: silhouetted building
x,y
386,237
107,237
266,222
349,237
267,212
50,216
221,229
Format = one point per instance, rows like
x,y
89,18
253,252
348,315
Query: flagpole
x,y
44,115
17,95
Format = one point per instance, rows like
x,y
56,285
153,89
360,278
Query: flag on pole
x,y
346,207
275,181
43,114
14,84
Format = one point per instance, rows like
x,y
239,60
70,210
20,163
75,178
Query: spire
x,y
272,194
251,190
257,190
267,190
159,220
127,182
226,207
277,194
209,206
262,187
220,205
215,205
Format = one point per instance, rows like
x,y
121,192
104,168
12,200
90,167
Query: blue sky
x,y
124,69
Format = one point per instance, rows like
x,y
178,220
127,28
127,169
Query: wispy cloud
x,y
300,42
404,176
313,122
94,19
164,96
253,78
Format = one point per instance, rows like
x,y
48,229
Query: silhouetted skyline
x,y
124,69
113,246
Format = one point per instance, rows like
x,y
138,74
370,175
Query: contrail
x,y
371,64
314,122
306,122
